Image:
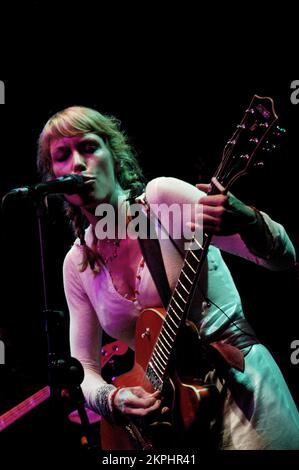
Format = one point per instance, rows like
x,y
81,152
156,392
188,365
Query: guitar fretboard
x,y
24,407
177,311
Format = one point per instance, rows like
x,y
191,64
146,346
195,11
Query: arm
x,y
245,231
85,331
234,225
85,339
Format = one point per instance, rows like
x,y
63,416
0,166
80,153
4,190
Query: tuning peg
x,y
244,157
279,131
268,147
260,164
264,124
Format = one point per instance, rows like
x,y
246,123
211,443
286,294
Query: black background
x,y
179,93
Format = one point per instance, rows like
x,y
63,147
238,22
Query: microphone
x,y
68,184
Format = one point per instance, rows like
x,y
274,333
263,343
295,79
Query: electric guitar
x,y
159,348
8,418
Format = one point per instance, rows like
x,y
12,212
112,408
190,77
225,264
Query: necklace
x,y
112,246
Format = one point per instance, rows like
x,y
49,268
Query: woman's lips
x,y
89,180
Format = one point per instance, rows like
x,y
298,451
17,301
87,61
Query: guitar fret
x,y
177,292
192,253
161,350
162,344
177,304
180,282
189,266
163,337
192,261
183,272
166,323
152,366
156,352
169,316
171,307
197,242
155,361
168,334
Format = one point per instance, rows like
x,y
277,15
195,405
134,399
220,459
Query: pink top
x,y
94,303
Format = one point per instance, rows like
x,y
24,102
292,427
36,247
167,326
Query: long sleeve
x,y
174,191
85,330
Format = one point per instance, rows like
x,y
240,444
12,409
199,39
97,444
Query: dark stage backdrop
x,y
178,121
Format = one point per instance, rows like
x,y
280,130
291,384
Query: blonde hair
x,y
78,120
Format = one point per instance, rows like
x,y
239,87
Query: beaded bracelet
x,y
103,400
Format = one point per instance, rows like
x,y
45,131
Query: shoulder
x,y
74,255
171,190
72,259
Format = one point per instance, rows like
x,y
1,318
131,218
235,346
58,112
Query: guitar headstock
x,y
240,151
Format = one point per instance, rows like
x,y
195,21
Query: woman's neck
x,y
117,203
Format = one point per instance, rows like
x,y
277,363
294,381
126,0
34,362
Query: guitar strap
x,y
151,251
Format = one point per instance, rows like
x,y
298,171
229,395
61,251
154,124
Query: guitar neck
x,y
177,311
24,407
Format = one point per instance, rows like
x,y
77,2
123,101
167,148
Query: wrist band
x,y
111,399
258,237
102,401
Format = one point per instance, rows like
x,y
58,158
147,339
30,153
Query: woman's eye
x,y
90,148
61,158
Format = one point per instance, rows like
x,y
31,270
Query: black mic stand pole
x,y
65,372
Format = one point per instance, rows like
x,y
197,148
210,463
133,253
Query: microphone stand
x,y
64,372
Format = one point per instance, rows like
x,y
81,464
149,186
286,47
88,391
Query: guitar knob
x,y
145,333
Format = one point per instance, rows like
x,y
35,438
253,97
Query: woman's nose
x,y
79,163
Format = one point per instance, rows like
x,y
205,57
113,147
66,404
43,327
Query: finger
x,y
213,227
203,187
215,200
164,410
214,211
137,402
141,393
142,411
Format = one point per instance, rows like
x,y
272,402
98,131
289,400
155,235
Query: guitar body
x,y
181,395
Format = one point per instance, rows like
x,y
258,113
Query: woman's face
x,y
89,156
